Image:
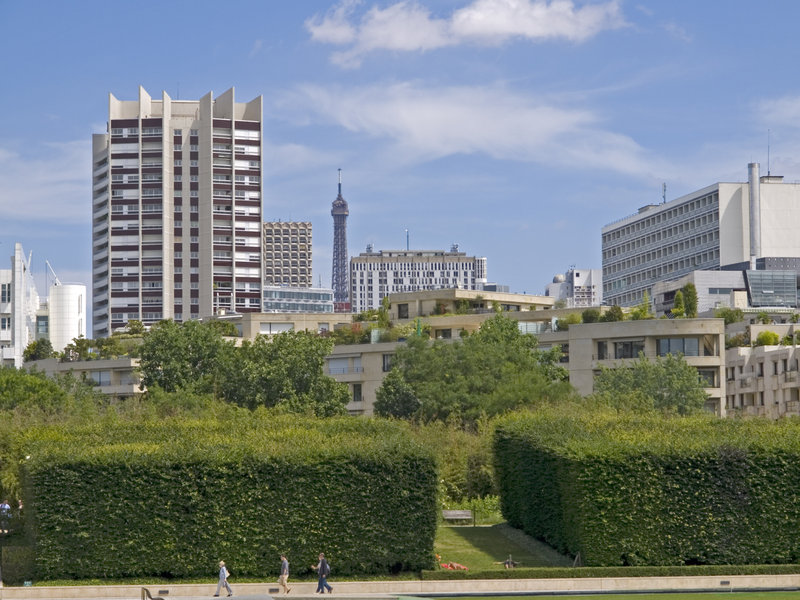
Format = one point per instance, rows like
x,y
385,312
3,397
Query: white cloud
x,y
409,26
55,186
784,112
429,123
284,159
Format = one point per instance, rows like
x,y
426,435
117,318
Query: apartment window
x,y
177,132
387,362
177,147
402,311
5,323
602,350
5,292
357,397
628,349
193,132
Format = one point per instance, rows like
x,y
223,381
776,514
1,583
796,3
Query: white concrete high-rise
x,y
724,225
19,302
176,210
577,287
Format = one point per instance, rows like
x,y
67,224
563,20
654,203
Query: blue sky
x,y
514,128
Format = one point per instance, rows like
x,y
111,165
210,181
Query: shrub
x,y
643,490
767,338
173,497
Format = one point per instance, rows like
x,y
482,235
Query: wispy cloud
x,y
55,186
256,48
422,123
409,26
782,112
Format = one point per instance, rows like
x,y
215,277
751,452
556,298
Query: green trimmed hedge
x,y
16,564
584,572
172,498
647,490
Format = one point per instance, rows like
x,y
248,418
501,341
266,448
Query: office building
x,y
577,288
287,254
176,210
282,299
375,275
736,226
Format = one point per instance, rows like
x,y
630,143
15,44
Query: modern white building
x,y
722,226
176,210
578,288
66,314
280,299
375,275
19,303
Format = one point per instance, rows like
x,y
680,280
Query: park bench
x,y
146,595
458,515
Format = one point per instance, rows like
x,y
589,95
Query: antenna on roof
x,y
55,277
340,182
664,193
768,132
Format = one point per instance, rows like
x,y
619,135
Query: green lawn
x,y
485,548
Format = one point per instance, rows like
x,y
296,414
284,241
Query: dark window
x,y
402,311
357,392
387,362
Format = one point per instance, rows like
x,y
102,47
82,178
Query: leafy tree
x,y
767,338
614,313
181,356
763,318
570,319
678,308
79,349
690,300
32,390
738,340
590,315
135,327
491,371
561,303
668,385
642,311
225,328
395,397
38,350
730,315
283,371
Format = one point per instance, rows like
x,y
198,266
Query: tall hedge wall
x,y
626,490
173,498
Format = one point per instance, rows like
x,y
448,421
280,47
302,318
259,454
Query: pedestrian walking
x,y
223,579
284,577
323,570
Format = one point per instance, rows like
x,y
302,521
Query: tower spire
x,y
339,272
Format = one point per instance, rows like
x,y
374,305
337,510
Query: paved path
x,y
382,590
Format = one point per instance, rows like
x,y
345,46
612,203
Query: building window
x,y
5,323
357,392
387,362
602,350
402,311
5,292
628,349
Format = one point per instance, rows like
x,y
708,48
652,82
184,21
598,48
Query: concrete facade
x,y
375,275
19,304
578,288
118,377
287,254
716,226
176,210
424,303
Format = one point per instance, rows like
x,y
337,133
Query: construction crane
x,y
56,281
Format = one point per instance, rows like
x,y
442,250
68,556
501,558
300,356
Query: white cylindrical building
x,y
67,314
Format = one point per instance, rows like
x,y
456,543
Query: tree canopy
x,y
668,385
491,371
283,371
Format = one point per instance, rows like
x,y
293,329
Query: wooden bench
x,y
458,515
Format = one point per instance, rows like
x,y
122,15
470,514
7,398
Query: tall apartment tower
x,y
339,212
287,254
176,210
